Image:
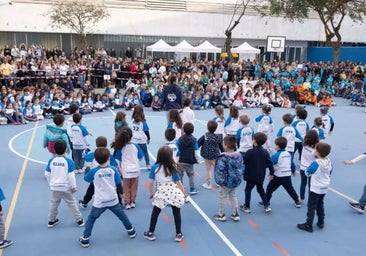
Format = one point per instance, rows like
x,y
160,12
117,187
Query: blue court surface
x,y
22,167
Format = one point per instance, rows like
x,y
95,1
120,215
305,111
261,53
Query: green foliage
x,y
79,16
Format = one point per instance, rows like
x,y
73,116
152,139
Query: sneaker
x,y
187,199
82,205
219,217
357,207
128,206
133,205
261,203
298,204
132,232
305,226
84,241
77,171
178,237
5,243
148,167
207,186
51,224
267,209
320,225
81,223
235,217
193,191
149,236
245,209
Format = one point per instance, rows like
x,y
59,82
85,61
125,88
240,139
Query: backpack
x,y
230,172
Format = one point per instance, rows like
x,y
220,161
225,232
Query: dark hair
x,y
123,137
301,113
73,108
234,111
212,126
187,102
60,147
58,119
175,117
138,114
287,118
318,122
121,116
323,149
281,142
260,138
172,79
230,142
77,118
266,109
101,141
311,138
219,111
188,128
101,155
170,134
324,110
165,159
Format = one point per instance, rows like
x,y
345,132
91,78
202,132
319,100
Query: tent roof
x,y
245,48
206,46
184,46
160,46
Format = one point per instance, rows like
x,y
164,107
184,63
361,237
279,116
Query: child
x,y
80,142
206,101
106,179
232,122
155,104
256,161
328,122
61,179
290,133
302,126
11,114
90,163
120,121
244,136
360,205
169,191
74,108
47,111
170,142
211,146
175,122
128,154
220,119
265,124
286,103
318,127
188,155
56,132
319,171
307,157
98,105
283,168
140,131
228,175
3,243
187,114
28,112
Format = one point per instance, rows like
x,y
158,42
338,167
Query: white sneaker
x,y
128,206
207,186
133,205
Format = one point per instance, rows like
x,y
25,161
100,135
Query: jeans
x,y
224,193
96,212
2,229
248,192
146,153
315,203
284,182
298,147
362,200
77,155
188,168
304,181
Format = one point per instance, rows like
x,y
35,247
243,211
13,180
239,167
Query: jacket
x,y
256,161
54,133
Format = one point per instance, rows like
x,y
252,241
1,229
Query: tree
x,y
79,16
331,14
228,32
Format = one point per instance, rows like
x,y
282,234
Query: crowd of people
x,y
230,148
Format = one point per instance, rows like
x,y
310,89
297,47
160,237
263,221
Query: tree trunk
x,y
228,46
336,52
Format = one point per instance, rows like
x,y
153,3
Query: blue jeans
x,y
146,153
362,200
77,155
96,212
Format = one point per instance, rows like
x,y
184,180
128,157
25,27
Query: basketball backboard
x,y
276,43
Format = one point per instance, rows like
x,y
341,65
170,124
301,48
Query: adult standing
x,y
172,95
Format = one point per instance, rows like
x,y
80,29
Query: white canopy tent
x,y
183,50
160,46
206,46
246,51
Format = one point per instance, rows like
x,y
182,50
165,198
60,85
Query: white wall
x,y
27,17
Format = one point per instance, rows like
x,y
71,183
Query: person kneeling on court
x,y
106,179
